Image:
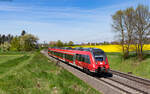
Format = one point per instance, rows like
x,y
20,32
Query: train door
x,y
87,61
77,59
74,59
81,60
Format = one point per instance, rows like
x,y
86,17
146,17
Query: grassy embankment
x,y
35,74
131,64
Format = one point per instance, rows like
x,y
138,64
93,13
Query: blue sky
x,y
51,20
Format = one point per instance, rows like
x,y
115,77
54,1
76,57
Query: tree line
x,y
5,38
24,42
133,26
59,43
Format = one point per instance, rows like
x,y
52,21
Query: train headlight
x,y
93,65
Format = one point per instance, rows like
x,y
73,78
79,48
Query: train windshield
x,y
99,58
99,55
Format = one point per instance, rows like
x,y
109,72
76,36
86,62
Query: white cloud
x,y
78,32
51,23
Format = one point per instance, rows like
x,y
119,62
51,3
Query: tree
x,y
70,43
142,27
129,15
15,44
52,43
118,26
28,42
9,38
5,47
0,39
3,39
134,27
23,32
59,43
25,42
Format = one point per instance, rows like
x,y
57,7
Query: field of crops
x,y
113,48
33,73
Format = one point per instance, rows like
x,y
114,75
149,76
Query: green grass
x,y
5,58
39,75
6,66
131,64
14,53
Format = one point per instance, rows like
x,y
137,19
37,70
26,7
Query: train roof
x,y
81,49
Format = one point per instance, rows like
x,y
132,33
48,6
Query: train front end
x,y
100,61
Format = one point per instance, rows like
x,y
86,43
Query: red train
x,y
89,59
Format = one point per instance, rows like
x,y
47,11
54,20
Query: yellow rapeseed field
x,y
113,48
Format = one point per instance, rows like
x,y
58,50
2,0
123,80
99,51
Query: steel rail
x,y
131,77
137,89
117,87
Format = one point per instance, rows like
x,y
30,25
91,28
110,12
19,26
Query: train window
x,y
69,57
62,55
82,58
99,58
59,54
78,57
55,53
87,59
49,51
66,56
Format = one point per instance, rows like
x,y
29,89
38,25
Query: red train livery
x,y
89,59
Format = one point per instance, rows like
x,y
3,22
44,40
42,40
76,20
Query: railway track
x,y
127,89
131,77
115,86
125,83
141,85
